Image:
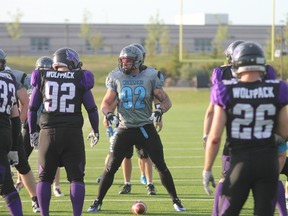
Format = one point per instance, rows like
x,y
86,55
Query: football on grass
x,y
139,208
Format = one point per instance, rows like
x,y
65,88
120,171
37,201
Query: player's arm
x,y
208,121
163,98
34,104
108,102
23,98
214,139
92,110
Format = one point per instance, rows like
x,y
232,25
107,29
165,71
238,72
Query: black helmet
x,y
130,52
142,49
66,57
230,49
248,56
2,60
44,63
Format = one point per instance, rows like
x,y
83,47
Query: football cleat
x,y
126,189
98,180
177,205
35,206
95,207
57,192
151,189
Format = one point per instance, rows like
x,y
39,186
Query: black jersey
x,y
252,110
7,97
62,94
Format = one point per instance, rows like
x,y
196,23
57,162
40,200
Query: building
x,y
43,39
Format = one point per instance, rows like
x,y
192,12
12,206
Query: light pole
x,y
273,31
282,48
181,32
67,32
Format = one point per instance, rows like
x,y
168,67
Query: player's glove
x,y
112,119
208,177
34,140
157,115
94,138
13,158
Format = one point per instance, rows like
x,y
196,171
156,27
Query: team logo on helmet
x,y
70,55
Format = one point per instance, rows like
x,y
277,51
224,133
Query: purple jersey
x,y
62,94
252,110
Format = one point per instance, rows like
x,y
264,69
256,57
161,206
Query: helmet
x,y
66,57
2,59
248,56
130,52
44,63
230,49
139,46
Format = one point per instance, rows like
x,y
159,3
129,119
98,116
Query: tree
x,y
94,38
13,28
158,38
219,40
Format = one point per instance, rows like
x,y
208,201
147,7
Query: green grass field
x,y
182,140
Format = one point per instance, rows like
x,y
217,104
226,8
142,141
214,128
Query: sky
x,y
240,12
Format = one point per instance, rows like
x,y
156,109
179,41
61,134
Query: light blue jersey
x,y
135,95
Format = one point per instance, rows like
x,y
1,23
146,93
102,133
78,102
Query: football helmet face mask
x,y
248,56
66,57
44,63
139,46
230,49
130,53
2,60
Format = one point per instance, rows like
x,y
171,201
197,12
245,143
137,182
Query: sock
x,y
14,204
280,203
167,181
44,196
129,183
217,196
56,187
148,183
77,195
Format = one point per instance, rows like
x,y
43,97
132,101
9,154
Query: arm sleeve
x,y
283,96
216,75
34,104
90,106
87,80
219,95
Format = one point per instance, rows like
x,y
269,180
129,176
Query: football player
x,y
62,92
135,89
42,63
23,168
252,110
9,137
225,74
